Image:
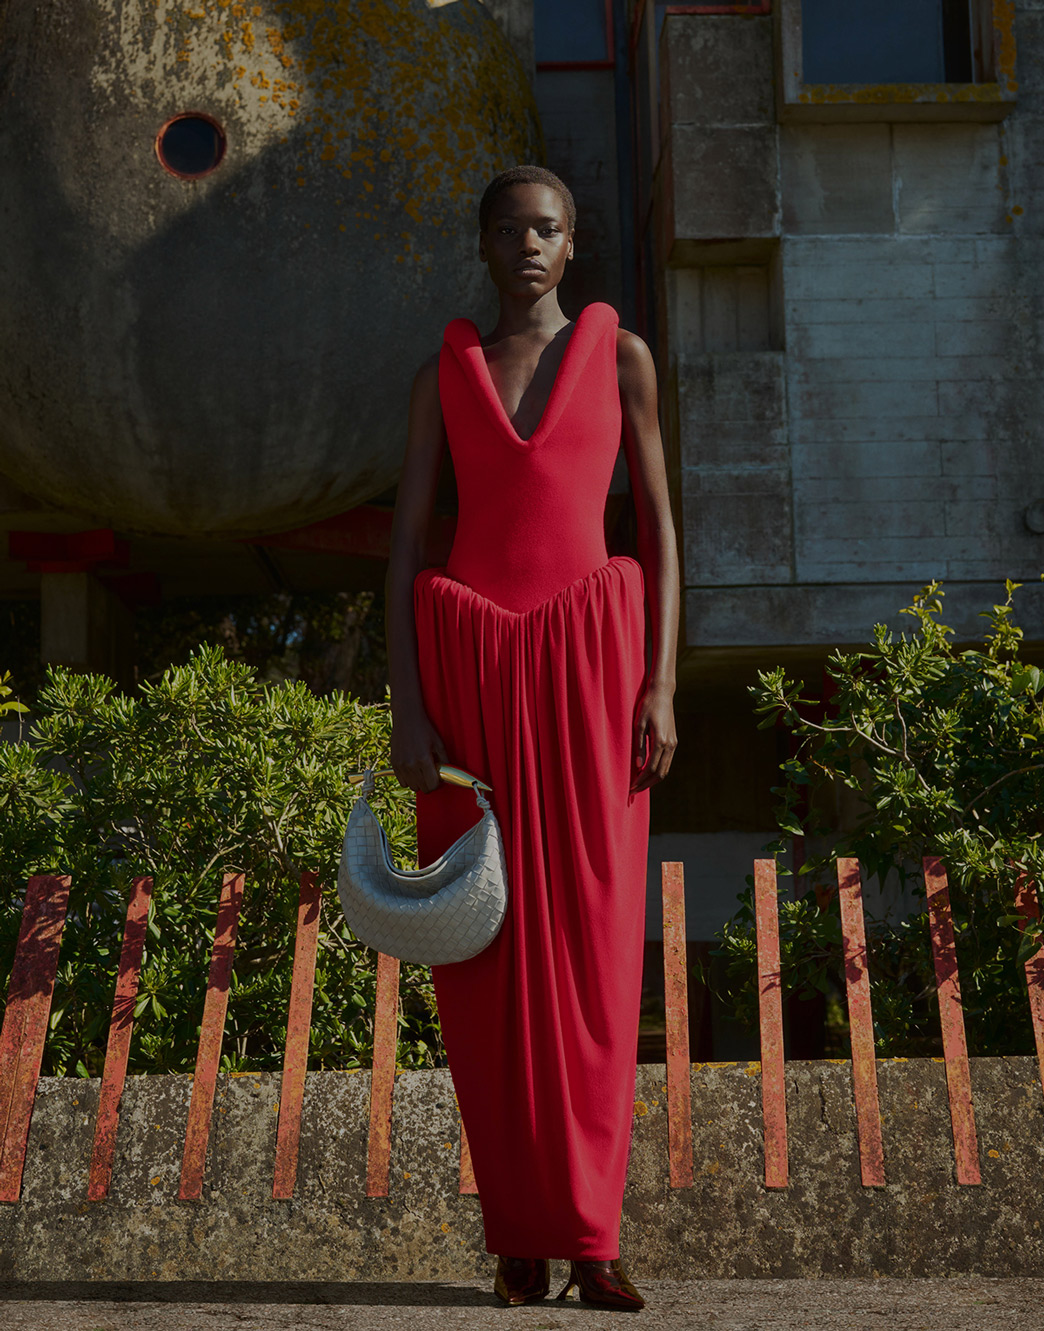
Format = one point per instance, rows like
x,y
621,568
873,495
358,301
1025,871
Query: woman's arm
x,y
416,747
657,553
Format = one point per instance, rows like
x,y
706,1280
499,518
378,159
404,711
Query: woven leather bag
x,y
446,912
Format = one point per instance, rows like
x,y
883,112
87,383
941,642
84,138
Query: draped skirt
x,y
541,1027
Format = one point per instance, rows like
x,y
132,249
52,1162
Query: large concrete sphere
x,y
233,353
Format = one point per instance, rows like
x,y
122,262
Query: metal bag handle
x,y
454,775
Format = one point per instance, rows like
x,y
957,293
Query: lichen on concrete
x,y
726,1225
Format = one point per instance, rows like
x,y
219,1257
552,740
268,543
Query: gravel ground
x,y
959,1304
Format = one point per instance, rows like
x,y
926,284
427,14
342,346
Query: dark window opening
x,y
577,33
190,145
887,41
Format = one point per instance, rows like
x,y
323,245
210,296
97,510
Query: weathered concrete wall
x,y
727,1224
857,344
233,352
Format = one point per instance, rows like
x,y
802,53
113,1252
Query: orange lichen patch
x,y
1004,38
367,81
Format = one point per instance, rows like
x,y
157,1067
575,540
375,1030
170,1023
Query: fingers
x,y
656,766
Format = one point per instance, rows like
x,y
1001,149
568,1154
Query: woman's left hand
x,y
655,733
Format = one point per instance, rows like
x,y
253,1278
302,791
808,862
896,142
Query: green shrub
x,y
208,771
942,753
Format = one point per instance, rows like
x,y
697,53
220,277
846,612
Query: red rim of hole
x,y
190,115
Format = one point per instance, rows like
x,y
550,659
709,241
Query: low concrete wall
x,y
727,1224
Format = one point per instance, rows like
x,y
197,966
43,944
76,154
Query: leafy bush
x,y
941,752
208,771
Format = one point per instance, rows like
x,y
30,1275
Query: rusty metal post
x,y
951,1019
676,1008
208,1056
770,1008
298,1024
382,1076
117,1050
24,1031
861,1024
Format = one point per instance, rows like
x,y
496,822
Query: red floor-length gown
x,y
532,661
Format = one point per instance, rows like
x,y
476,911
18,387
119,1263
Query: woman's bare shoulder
x,y
634,360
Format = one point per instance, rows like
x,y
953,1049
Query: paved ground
x,y
960,1304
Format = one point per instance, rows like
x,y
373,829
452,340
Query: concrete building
x,y
843,250
823,219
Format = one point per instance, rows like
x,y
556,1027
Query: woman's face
x,y
527,241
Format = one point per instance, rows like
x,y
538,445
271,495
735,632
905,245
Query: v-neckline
x,y
547,416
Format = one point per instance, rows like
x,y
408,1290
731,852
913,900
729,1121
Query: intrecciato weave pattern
x,y
446,912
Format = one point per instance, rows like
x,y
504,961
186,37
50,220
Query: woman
x,y
523,661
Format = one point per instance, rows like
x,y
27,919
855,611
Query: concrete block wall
x,y
726,1224
901,353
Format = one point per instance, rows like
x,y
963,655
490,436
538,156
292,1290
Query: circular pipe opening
x,y
190,145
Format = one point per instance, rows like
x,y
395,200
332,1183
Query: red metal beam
x,y
117,1050
676,1006
68,551
208,1057
100,546
770,1008
382,1075
1028,908
24,1030
951,1018
298,1024
861,1024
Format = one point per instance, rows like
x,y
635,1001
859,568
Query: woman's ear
x,y
569,251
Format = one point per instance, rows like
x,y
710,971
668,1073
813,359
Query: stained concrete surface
x,y
727,1225
726,1305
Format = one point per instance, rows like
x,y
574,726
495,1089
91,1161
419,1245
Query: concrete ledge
x,y
833,614
726,1225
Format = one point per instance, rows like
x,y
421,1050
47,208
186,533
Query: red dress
x,y
532,661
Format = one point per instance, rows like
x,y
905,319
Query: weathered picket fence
x,y
32,981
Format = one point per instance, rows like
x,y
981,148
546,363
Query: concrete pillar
x,y
515,18
85,627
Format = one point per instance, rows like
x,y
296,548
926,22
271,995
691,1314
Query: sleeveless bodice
x,y
531,511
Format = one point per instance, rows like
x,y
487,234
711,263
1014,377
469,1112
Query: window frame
x,y
993,26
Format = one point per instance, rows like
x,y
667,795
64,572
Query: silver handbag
x,y
446,912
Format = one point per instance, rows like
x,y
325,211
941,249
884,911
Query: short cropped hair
x,y
526,175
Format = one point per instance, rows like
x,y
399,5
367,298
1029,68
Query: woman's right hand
x,y
417,752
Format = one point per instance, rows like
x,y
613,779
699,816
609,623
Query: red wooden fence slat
x,y
24,1030
382,1076
951,1019
117,1049
1028,907
467,1170
676,1006
770,1008
298,1024
208,1056
861,1024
